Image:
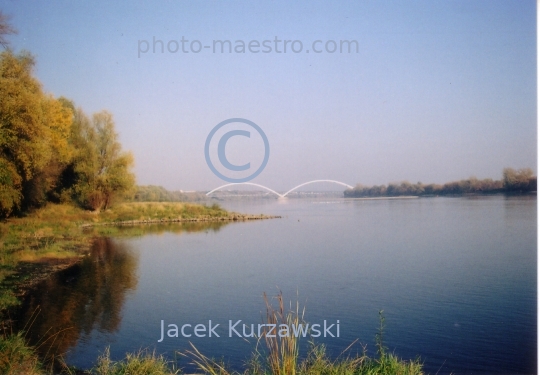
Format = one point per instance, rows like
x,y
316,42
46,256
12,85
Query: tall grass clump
x,y
388,363
281,356
17,357
318,363
208,365
139,363
282,351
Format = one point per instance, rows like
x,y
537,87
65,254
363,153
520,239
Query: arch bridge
x,y
275,192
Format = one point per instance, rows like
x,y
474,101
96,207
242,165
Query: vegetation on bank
x,y
153,193
150,363
513,182
279,357
16,357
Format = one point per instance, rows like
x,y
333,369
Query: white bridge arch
x,y
244,183
275,192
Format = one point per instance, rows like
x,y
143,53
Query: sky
x,y
436,90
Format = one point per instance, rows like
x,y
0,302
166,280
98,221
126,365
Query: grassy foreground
x,y
21,360
281,359
57,235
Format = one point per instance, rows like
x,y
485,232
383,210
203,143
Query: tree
x,y
102,168
51,152
34,128
518,181
57,120
5,29
10,187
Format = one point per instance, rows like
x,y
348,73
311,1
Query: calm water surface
x,y
456,278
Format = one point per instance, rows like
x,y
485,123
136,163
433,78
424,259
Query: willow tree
x,y
103,170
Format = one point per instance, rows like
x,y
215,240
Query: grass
x,y
282,355
162,210
140,363
16,357
318,363
282,351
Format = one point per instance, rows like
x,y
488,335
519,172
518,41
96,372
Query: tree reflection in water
x,y
86,296
89,295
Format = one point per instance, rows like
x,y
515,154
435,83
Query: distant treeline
x,y
513,182
152,193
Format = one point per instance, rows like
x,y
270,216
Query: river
x,y
455,278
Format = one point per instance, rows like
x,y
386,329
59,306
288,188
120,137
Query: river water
x,y
455,278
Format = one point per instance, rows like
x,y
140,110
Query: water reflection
x,y
71,304
170,227
86,296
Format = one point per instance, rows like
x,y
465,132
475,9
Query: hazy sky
x,y
438,91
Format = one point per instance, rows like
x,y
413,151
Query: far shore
x,y
382,198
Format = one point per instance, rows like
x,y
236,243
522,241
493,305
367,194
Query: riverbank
x,y
146,362
56,236
282,357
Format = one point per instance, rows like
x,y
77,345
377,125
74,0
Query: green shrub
x,y
16,357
